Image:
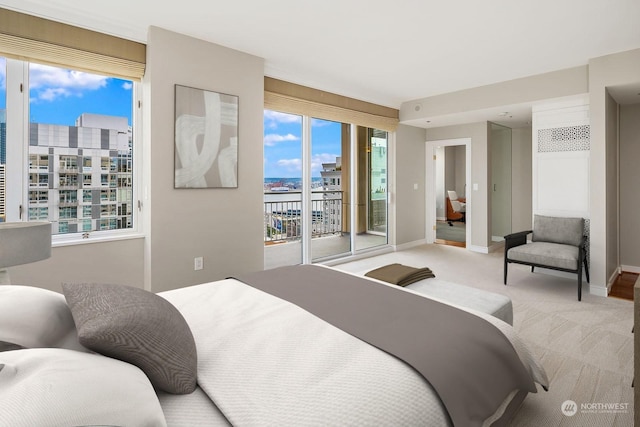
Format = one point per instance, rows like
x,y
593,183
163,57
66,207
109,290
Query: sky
x,y
60,96
283,144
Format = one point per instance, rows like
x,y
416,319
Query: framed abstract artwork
x,y
206,139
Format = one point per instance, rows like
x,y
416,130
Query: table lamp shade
x,y
24,242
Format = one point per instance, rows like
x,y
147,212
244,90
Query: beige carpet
x,y
586,347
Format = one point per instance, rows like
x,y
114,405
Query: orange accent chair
x,y
456,208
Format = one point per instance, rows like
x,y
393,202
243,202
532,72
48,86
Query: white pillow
x,y
35,317
59,387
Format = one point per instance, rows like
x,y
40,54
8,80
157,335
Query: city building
x,y
3,137
80,176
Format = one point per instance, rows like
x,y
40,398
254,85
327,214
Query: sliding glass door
x,y
372,189
325,190
329,194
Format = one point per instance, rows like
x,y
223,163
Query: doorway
x,y
450,164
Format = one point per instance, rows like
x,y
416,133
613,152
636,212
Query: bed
x,y
251,351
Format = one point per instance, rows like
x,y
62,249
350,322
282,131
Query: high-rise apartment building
x,y
80,177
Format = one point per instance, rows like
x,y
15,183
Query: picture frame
x,y
206,139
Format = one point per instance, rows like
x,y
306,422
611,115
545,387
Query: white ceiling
x,y
381,51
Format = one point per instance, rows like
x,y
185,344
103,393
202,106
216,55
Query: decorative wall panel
x,y
568,138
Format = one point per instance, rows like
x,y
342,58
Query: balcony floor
x,y
290,252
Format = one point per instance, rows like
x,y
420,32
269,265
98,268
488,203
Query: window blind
x,y
31,38
296,99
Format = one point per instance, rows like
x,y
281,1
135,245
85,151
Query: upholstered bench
x,y
558,243
497,305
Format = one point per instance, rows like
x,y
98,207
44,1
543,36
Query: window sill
x,y
94,239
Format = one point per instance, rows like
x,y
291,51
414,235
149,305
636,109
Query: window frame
x,y
18,160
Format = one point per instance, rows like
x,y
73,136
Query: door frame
x,y
430,186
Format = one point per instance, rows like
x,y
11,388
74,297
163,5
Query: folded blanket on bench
x,y
399,274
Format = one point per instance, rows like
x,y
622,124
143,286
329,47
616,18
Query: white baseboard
x,y
612,279
481,249
630,269
599,291
409,245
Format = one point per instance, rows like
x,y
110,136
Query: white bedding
x,y
264,361
191,410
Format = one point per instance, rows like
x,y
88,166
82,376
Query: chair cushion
x,y
553,229
546,254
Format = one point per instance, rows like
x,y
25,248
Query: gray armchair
x,y
557,243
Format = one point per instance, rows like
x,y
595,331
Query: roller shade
x,y
296,99
30,38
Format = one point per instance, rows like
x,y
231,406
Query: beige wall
x,y
629,185
119,262
479,175
571,81
521,175
607,71
224,226
409,202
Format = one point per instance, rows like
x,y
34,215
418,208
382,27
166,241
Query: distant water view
x,y
289,184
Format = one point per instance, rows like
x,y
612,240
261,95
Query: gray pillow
x,y
568,231
8,346
33,317
60,387
138,327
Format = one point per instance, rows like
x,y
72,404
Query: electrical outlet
x,y
198,263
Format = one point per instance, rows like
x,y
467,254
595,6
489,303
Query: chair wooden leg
x,y
580,284
505,272
586,269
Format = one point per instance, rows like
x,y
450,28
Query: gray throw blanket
x,y
472,366
401,275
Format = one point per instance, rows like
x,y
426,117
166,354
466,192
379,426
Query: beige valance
x,y
31,38
296,99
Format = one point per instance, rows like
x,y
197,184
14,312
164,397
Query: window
x,y
80,142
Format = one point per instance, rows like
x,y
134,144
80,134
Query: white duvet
x,y
267,362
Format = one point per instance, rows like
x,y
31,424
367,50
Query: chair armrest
x,y
516,239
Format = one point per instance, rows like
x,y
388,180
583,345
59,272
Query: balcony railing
x,y
283,215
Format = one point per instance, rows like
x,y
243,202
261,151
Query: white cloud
x,y
273,118
49,94
127,85
279,117
50,83
273,138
